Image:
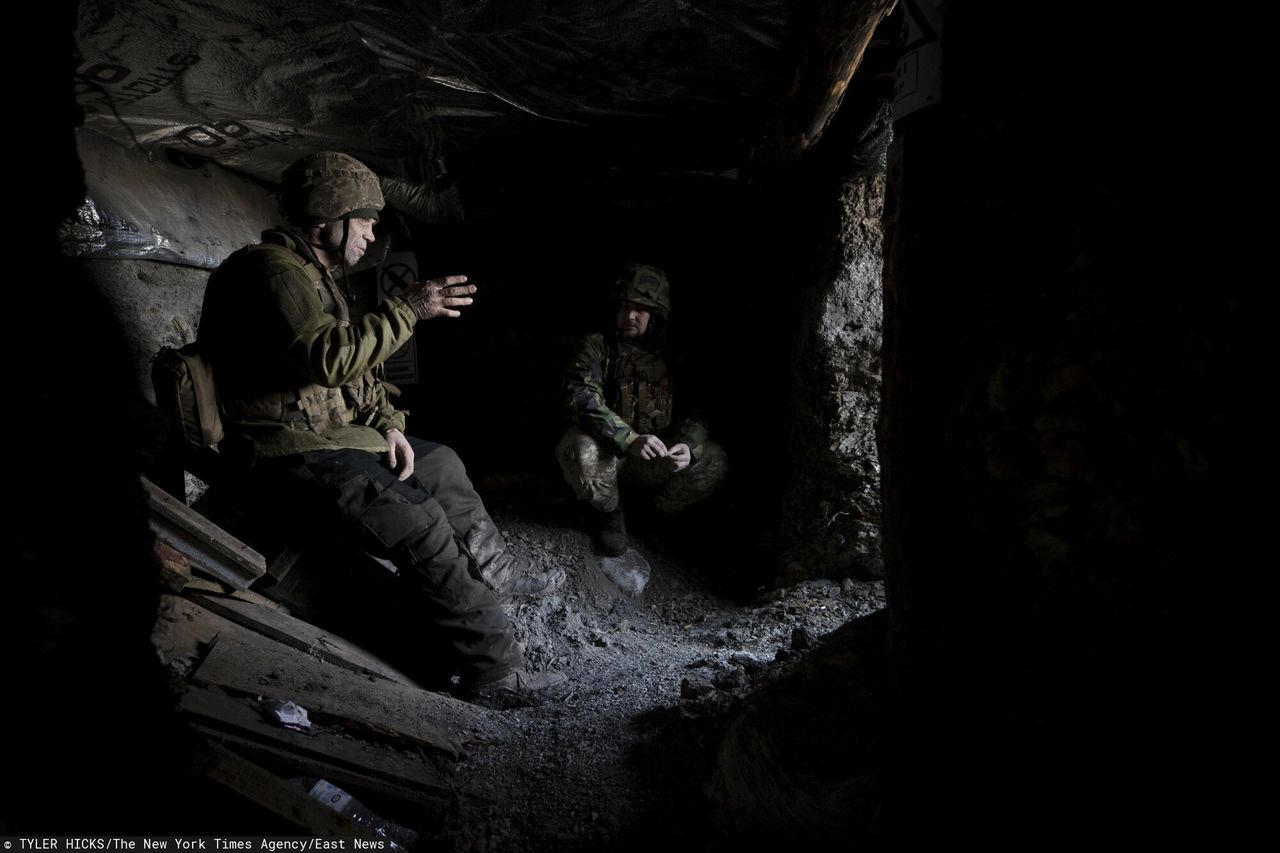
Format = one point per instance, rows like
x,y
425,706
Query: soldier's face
x,y
633,321
358,240
359,237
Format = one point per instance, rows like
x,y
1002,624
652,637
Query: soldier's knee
x,y
696,482
589,470
565,450
712,464
447,460
579,454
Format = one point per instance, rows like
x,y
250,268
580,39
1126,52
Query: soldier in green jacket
x,y
298,364
619,396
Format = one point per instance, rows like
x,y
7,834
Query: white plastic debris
x,y
630,572
286,713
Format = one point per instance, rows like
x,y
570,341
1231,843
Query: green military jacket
x,y
294,363
617,390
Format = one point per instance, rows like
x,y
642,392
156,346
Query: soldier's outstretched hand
x,y
439,297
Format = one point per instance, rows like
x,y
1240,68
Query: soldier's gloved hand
x,y
439,296
679,456
399,454
647,447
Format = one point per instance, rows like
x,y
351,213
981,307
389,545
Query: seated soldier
x,y
312,433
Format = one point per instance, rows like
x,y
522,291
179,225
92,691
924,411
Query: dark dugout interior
x,y
554,219
1077,468
551,219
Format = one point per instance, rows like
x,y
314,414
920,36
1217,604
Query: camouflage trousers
x,y
594,473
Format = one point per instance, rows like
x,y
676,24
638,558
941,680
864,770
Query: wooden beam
x,y
842,61
239,718
281,760
832,38
280,796
211,549
301,635
372,707
184,632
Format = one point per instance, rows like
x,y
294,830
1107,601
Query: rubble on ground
x,y
653,680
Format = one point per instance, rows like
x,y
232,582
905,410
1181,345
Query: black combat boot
x,y
520,688
612,534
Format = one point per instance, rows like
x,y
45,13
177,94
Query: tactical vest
x,y
313,407
644,389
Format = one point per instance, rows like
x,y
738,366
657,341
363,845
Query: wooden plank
x,y
284,563
301,635
204,561
202,585
291,763
252,597
184,632
409,714
239,717
210,548
278,796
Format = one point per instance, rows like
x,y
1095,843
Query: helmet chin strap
x,y
341,248
341,251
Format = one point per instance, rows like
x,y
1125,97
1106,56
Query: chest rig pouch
x,y
644,390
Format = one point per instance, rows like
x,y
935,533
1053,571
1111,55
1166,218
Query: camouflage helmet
x,y
645,286
328,186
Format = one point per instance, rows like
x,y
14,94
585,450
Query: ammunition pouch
x,y
185,392
644,392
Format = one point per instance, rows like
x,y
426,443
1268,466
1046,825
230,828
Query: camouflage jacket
x,y
605,408
296,366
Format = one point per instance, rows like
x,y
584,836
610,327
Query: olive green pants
x,y
422,525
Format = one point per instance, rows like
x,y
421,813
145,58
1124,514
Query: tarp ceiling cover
x,y
250,85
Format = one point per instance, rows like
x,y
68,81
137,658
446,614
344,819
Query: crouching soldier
x,y
619,395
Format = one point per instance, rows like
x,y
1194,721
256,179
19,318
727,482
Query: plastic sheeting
x,y
235,78
251,84
153,209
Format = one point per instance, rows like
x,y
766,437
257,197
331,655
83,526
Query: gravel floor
x,y
617,758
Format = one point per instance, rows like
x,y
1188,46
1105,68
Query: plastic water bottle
x,y
398,837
